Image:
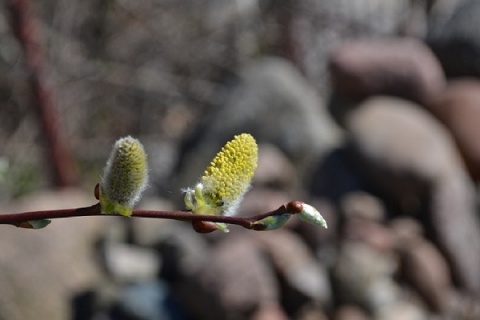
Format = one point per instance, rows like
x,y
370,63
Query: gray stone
x,y
396,139
400,67
41,270
440,11
129,263
401,310
412,160
223,287
350,312
311,312
340,20
458,107
374,234
427,271
405,229
335,176
306,279
362,205
363,276
182,250
275,170
463,306
149,232
456,224
270,311
148,301
367,14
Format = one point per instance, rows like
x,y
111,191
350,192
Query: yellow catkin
x,y
229,174
226,179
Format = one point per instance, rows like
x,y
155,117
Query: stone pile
x,y
391,158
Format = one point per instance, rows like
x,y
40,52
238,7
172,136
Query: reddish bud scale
x,y
204,226
294,207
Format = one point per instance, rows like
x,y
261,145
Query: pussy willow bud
x,y
271,222
311,215
125,177
226,179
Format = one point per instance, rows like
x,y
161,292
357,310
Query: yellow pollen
x,y
229,174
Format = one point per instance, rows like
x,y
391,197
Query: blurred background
x,y
367,109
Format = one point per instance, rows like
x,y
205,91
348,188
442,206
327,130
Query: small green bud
x,y
311,215
34,224
125,177
271,222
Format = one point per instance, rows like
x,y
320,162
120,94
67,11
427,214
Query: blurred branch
x,y
26,31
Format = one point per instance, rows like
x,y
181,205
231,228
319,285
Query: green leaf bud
x,y
312,215
271,222
35,224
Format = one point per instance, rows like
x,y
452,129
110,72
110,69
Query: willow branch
x,y
17,219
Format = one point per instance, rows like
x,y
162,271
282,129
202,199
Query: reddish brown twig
x,y
17,219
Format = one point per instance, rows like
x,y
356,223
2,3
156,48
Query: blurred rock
x,y
142,300
462,306
405,229
182,250
350,312
221,14
272,101
222,288
414,163
400,149
363,276
129,263
363,206
339,105
427,271
275,170
151,232
270,311
399,67
304,278
372,233
310,312
41,270
440,11
335,176
455,222
147,301
340,20
365,13
454,37
458,107
401,310
95,301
